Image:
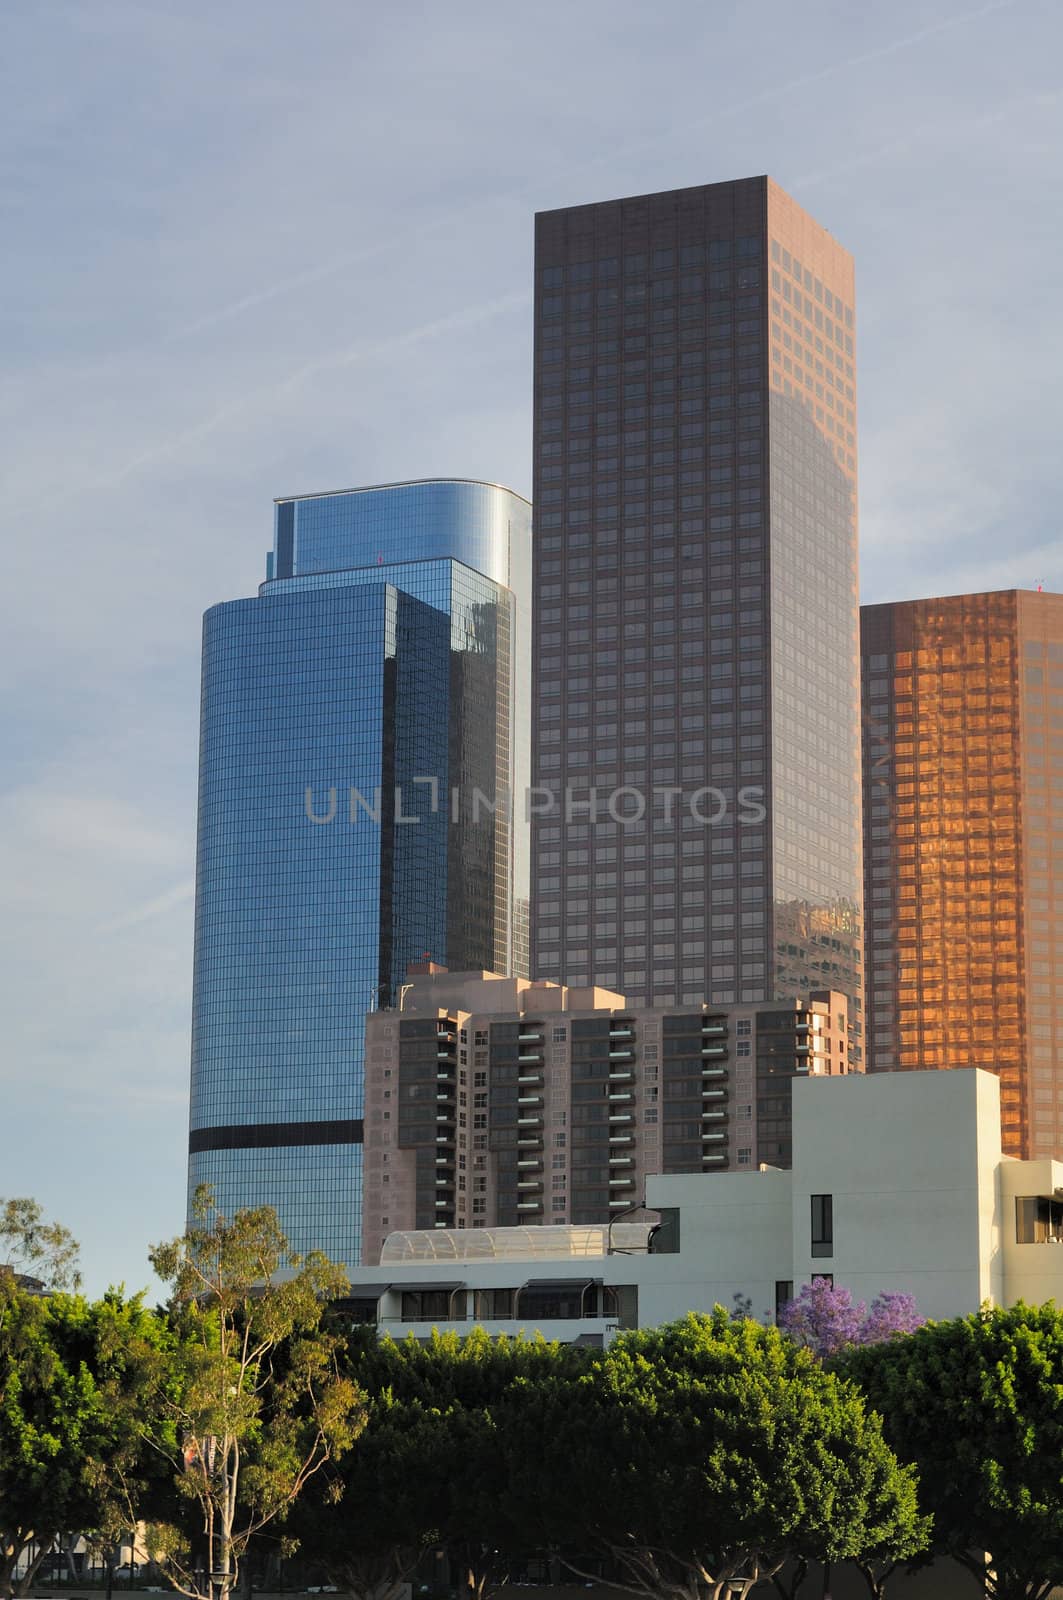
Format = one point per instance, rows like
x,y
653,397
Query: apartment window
x,y
784,1293
822,1225
1038,1220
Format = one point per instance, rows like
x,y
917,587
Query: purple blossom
x,y
825,1318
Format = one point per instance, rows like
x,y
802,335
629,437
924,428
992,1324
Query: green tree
x,y
430,1468
32,1248
78,1382
260,1405
700,1456
377,1513
976,1404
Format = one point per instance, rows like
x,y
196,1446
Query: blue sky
x,y
255,249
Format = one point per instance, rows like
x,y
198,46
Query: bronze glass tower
x,y
695,600
963,748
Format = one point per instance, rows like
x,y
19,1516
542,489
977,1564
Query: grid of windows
x,y
694,563
963,741
295,1182
324,702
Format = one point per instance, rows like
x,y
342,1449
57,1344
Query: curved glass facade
x,y
342,711
453,518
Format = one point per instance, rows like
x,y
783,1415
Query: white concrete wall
x,y
1033,1272
924,1204
734,1239
909,1160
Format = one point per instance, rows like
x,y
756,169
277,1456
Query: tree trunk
x,y
28,1577
483,1571
68,1551
790,1590
377,1580
1016,1586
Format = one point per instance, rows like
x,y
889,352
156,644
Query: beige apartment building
x,y
494,1101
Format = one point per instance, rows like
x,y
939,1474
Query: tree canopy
x,y
432,1461
976,1404
825,1317
259,1403
33,1248
77,1393
699,1456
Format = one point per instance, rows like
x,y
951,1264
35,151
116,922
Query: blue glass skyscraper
x,y
364,725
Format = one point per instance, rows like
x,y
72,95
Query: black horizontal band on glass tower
x,y
274,1135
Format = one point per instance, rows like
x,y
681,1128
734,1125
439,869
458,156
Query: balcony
x,y
619,1097
625,1180
530,1080
623,1053
801,1026
529,1164
530,1101
713,1157
530,1141
620,1116
714,1116
525,1184
802,1047
621,1161
621,1138
529,1205
716,1029
529,1122
620,1203
713,1094
714,1072
621,1030
713,1136
708,1051
528,1056
622,1075
530,1036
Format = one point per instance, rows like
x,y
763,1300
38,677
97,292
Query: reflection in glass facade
x,y
362,728
963,747
696,605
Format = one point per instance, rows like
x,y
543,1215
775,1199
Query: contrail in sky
x,y
468,317
329,269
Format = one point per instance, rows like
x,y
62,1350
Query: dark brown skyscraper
x,y
963,746
696,605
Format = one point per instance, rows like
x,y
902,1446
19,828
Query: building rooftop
x,y
400,483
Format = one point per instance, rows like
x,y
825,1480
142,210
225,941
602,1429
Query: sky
x,y
258,249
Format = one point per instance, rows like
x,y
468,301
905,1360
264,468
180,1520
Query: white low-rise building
x,y
898,1184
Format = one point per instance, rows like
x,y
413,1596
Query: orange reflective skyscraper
x,y
963,836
